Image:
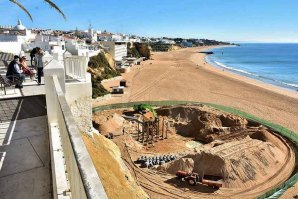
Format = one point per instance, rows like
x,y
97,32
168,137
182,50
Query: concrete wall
x,y
77,90
11,47
68,151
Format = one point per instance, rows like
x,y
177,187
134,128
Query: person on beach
x,y
14,73
39,64
26,70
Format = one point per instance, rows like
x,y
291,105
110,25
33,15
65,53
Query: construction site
x,y
195,151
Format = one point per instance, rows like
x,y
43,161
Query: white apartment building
x,y
117,49
81,49
112,37
90,34
49,43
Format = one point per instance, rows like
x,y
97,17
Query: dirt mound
x,y
183,164
201,122
242,163
109,124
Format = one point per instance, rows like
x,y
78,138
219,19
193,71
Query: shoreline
x,y
183,75
249,80
292,87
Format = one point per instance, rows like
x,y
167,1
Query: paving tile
x,y
20,157
30,127
32,184
41,146
25,172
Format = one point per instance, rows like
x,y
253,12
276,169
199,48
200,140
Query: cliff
x,y
100,68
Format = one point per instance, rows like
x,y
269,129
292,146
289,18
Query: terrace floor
x,y
30,88
25,170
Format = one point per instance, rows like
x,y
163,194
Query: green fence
x,y
274,193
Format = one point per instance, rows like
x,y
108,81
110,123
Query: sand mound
x,y
242,164
201,122
110,124
183,164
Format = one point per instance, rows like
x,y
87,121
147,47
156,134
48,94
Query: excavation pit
x,y
207,141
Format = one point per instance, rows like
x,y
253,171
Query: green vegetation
x,y
143,49
100,62
138,50
161,47
143,107
97,89
132,51
201,42
100,69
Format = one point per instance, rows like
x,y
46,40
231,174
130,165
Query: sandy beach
x,y
184,75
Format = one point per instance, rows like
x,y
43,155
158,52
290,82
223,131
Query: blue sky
x,y
227,20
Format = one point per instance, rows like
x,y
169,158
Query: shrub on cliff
x,y
100,69
160,47
133,52
143,49
138,50
100,63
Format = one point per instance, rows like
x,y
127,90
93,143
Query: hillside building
x,y
118,49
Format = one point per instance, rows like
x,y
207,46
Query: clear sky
x,y
227,20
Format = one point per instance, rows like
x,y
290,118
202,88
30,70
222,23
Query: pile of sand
x,y
201,122
241,164
109,124
183,164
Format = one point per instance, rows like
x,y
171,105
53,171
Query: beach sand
x,y
184,75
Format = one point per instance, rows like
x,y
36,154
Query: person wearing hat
x,y
26,70
14,73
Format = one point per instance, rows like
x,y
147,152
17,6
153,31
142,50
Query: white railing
x,y
76,67
73,172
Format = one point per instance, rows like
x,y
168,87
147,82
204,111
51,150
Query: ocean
x,y
275,64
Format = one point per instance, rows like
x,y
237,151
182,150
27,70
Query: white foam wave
x,y
289,84
292,85
233,69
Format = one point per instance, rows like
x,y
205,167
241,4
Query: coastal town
x,y
94,114
121,51
17,39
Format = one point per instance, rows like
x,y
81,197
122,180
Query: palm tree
x,y
52,5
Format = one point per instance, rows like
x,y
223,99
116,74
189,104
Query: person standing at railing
x,y
39,64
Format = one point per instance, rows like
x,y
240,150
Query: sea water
x,y
275,64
